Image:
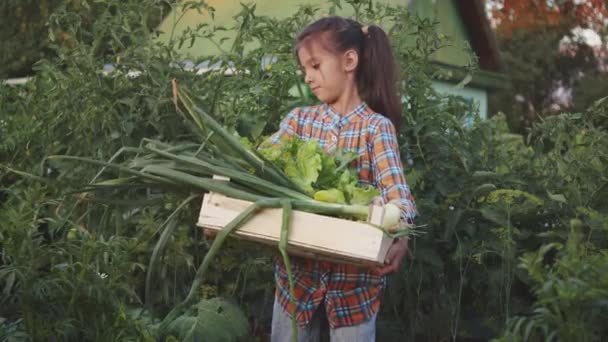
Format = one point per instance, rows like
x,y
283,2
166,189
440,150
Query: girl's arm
x,y
390,180
287,128
388,170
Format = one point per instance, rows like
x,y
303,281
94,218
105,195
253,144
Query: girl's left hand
x,y
394,257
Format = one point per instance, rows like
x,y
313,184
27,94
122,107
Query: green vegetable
x,y
327,178
327,174
330,196
363,195
304,168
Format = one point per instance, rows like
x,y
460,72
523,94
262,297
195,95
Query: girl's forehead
x,y
312,49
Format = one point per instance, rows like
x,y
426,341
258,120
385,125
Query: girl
x,y
350,69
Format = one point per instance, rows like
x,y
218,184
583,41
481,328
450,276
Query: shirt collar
x,y
354,115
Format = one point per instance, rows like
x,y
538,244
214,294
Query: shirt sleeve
x,y
287,128
388,170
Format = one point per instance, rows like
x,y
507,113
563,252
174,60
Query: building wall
x,y
477,95
226,9
450,24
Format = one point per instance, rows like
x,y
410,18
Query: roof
x,y
464,20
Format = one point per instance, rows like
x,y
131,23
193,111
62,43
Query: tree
x,y
547,61
25,34
513,15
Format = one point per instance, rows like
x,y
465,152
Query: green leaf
x,y
215,319
413,176
494,216
270,152
453,219
304,169
557,197
347,183
330,196
344,158
363,195
483,189
327,175
484,174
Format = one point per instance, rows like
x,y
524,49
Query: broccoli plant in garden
x,y
498,256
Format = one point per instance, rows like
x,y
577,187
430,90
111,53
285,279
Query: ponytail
x,y
377,74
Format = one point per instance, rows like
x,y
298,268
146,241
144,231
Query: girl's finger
x,y
387,270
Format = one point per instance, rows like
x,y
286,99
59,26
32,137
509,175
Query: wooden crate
x,y
313,236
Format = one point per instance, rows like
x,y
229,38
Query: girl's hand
x,y
396,252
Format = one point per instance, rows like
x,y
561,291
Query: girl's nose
x,y
307,79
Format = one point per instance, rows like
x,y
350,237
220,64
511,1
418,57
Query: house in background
x,y
464,20
460,20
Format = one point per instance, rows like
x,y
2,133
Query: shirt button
x,y
334,138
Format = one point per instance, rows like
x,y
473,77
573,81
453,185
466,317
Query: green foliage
x,y
24,35
570,290
214,319
487,197
30,34
54,281
507,195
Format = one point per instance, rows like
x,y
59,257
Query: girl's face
x,y
326,73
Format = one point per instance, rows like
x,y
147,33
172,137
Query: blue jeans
x,y
282,328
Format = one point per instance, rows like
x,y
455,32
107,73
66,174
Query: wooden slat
x,y
315,236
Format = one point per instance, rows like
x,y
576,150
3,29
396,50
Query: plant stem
x,y
213,250
170,224
286,223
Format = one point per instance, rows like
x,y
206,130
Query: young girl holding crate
x,y
351,70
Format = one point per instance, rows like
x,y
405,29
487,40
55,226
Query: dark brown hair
x,y
377,72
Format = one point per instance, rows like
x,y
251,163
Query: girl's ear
x,y
350,60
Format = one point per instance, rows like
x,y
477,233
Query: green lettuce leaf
x,y
304,168
344,158
327,178
330,196
272,153
363,195
328,175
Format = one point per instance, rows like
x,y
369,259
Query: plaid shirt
x,y
350,294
